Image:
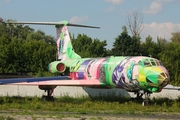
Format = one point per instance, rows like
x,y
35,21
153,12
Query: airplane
x,y
139,74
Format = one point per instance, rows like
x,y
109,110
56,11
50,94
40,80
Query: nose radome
x,y
163,79
156,78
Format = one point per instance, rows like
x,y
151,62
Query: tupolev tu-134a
x,y
139,74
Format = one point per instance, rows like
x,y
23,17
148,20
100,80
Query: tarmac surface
x,y
19,90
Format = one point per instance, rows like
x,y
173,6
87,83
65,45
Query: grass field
x,y
75,107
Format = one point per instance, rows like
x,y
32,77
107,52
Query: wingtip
x,y
81,25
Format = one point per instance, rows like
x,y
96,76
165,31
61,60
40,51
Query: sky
x,y
160,17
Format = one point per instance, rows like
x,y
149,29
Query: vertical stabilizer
x,y
64,46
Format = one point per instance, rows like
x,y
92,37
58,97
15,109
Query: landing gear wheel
x,y
146,100
48,97
139,98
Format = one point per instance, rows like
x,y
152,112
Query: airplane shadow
x,y
113,94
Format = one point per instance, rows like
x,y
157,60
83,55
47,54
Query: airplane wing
x,y
58,81
171,87
64,83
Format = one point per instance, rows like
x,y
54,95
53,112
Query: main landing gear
x,y
49,90
49,96
139,97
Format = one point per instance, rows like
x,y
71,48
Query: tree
x,y
171,60
126,45
161,45
148,48
4,41
151,48
15,30
175,37
97,48
22,54
135,23
87,47
40,35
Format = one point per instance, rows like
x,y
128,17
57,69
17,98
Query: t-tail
x,y
65,49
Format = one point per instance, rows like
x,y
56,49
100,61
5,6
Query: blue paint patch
x,y
28,80
129,71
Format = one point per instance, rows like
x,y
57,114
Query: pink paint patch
x,y
63,83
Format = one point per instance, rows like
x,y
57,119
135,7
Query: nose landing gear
x,y
139,97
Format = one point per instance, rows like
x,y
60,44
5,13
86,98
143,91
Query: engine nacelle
x,y
56,67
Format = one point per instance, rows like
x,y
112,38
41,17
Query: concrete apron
x,y
19,90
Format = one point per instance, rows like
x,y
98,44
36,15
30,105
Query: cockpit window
x,y
160,63
140,63
147,63
150,62
153,62
157,62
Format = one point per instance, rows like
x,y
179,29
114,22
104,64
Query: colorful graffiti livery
x,y
130,73
139,74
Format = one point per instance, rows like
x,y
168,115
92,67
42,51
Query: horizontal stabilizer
x,y
54,23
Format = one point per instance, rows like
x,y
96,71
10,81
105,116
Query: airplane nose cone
x,y
155,78
157,81
163,79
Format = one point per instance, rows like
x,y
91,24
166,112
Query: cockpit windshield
x,y
153,62
149,62
140,63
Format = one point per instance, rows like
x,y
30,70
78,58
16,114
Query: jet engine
x,y
56,67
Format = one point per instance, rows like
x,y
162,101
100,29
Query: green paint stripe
x,y
103,84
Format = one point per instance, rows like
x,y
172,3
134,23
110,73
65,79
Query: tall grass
x,y
85,104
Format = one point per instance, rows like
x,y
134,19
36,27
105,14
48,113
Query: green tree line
x,y
24,50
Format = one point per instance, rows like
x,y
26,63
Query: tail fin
x,y
64,46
